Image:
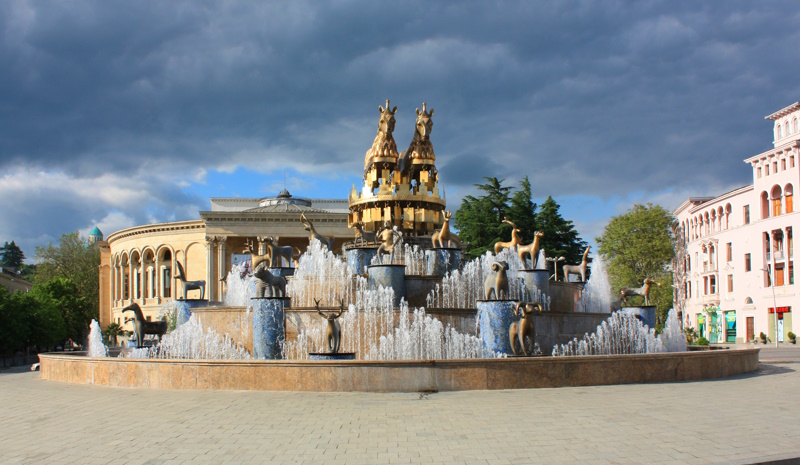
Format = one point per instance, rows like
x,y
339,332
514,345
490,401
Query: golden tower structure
x,y
401,189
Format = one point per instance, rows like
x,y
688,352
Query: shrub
x,y
792,336
702,341
763,337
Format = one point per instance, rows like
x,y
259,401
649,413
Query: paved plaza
x,y
744,419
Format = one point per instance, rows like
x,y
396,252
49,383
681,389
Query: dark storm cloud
x,y
593,98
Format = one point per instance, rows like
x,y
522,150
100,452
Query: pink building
x,y
735,264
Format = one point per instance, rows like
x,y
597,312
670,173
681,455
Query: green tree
x,y
14,322
478,220
560,237
73,259
640,244
46,322
12,255
522,210
63,297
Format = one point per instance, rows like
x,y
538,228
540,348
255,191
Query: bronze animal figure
x,y
333,332
531,249
327,241
523,328
383,146
142,327
497,282
420,147
444,236
278,253
578,269
643,291
199,285
363,236
516,239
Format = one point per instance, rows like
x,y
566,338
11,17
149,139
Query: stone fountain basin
x,y
398,376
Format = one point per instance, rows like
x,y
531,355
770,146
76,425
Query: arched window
x,y
748,301
728,210
786,127
779,131
788,193
705,223
764,205
776,200
794,123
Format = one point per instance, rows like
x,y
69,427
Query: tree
x,y
63,296
28,319
640,244
12,255
522,210
478,220
73,259
560,237
14,322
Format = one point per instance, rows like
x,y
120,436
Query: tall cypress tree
x,y
560,237
12,255
522,210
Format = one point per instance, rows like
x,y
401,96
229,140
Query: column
x,y
157,279
142,285
130,279
223,266
210,288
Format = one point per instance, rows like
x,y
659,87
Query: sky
x,y
118,114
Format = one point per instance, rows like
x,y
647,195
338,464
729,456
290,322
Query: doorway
x,y
750,328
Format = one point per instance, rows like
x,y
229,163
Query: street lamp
x,y
774,301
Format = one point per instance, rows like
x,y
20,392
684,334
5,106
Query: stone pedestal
x,y
647,314
535,279
439,261
269,327
330,356
358,258
496,317
393,276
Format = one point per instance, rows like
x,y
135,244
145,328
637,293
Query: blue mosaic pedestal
x,y
269,326
358,258
535,279
183,311
282,271
329,356
439,261
647,314
393,276
496,317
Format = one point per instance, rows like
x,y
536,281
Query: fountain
x,y
416,318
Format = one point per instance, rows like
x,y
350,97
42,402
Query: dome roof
x,y
96,232
284,203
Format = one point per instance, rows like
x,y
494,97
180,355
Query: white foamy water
x,y
191,341
96,347
596,296
461,288
623,333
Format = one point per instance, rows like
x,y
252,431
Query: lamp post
x,y
774,301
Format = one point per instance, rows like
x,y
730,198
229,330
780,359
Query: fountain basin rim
x,y
388,265
398,376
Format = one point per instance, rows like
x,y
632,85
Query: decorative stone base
x,y
399,376
393,276
330,356
269,327
358,258
647,314
496,317
439,262
535,279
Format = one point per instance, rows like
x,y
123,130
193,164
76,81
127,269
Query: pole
x,y
771,281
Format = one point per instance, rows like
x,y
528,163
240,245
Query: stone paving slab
x,y
744,419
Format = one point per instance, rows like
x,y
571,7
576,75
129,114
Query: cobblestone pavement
x,y
744,419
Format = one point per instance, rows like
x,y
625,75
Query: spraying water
x,y
96,346
623,333
190,341
596,296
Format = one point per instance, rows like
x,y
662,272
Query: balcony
x,y
779,255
